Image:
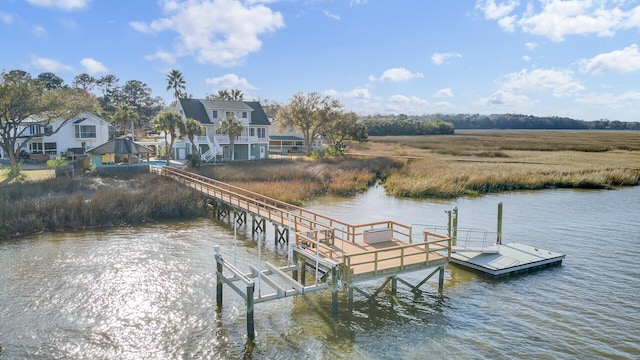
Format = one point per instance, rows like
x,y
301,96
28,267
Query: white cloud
x,y
612,101
49,65
505,99
443,93
354,94
407,104
6,18
531,45
167,57
61,4
557,19
396,75
560,82
621,61
526,58
38,31
218,32
230,81
493,11
441,58
93,66
357,2
331,15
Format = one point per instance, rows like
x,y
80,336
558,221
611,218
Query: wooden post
x,y
441,279
303,272
294,273
334,289
454,237
394,285
250,325
218,276
350,297
499,236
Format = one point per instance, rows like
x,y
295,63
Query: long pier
x,y
348,253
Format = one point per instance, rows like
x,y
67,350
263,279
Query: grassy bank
x,y
298,181
479,162
90,202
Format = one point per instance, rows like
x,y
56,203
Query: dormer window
x,y
215,114
244,114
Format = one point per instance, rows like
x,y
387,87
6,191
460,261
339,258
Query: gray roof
x,y
120,146
285,138
197,109
258,116
194,109
226,105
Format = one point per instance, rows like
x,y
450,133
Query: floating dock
x,y
506,259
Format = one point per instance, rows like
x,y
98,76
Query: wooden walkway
x,y
361,252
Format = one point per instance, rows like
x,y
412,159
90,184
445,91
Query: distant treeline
x,y
404,126
410,125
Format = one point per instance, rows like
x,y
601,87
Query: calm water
x,y
149,292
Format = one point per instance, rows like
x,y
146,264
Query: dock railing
x,y
476,240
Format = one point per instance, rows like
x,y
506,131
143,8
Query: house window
x,y
51,148
35,148
244,114
48,129
85,131
229,113
35,130
262,133
252,132
215,114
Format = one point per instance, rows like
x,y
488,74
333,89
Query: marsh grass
x,y
90,202
298,181
479,162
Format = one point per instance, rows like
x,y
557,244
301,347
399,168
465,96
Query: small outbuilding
x,y
119,153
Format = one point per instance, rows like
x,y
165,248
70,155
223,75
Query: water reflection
x,y
149,292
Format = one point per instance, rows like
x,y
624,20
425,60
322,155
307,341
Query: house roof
x,y
197,109
120,146
193,108
258,116
285,138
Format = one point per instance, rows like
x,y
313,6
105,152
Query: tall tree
x,y
51,81
137,95
110,89
169,122
310,114
346,127
176,82
125,116
25,101
85,82
233,127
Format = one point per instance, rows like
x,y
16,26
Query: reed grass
x,y
90,202
298,181
467,163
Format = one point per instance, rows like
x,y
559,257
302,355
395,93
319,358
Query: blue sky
x,y
574,58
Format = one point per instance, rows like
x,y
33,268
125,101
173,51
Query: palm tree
x,y
175,81
169,122
193,128
233,127
228,95
125,115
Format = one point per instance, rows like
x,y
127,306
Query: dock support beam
x,y
282,236
250,325
334,289
499,239
441,279
257,226
218,278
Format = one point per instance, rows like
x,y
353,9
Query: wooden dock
x,y
361,252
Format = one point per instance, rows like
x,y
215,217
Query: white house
x,y
252,143
74,137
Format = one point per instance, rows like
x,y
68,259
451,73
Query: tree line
x,y
512,122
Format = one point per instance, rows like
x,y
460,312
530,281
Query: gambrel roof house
x,y
74,137
253,143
